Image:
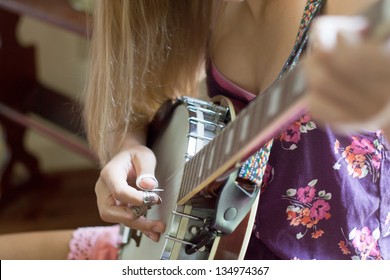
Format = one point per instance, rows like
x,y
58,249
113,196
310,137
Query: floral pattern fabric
x,y
324,196
307,208
292,135
363,157
361,244
327,196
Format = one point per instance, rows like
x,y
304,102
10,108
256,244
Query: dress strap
x,y
312,9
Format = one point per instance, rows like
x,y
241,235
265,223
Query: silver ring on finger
x,y
144,176
150,199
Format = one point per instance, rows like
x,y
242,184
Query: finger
x,y
324,30
323,102
325,114
112,212
115,181
366,59
125,215
337,89
365,94
105,201
144,162
363,69
151,228
330,116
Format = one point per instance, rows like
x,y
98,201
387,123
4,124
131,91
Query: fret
x,y
201,166
231,137
204,170
255,110
200,172
191,146
257,116
286,86
241,132
296,88
260,112
200,130
194,171
219,143
298,82
244,127
211,159
191,167
275,99
187,185
289,92
185,180
292,90
206,158
189,164
197,178
229,140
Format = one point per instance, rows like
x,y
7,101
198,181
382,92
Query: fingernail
x,y
153,181
158,199
153,237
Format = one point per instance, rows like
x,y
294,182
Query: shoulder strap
x,y
312,9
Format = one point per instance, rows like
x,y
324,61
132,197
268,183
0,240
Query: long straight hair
x,y
143,52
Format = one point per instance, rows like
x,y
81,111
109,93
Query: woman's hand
x,y
117,193
349,80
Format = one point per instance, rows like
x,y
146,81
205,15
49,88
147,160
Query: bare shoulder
x,y
347,7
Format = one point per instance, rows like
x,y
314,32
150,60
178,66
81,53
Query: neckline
x,y
229,85
312,8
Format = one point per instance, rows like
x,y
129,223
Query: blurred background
x,y
57,192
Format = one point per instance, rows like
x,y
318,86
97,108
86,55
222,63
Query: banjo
x,y
200,145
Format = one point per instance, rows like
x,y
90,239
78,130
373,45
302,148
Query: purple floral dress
x,y
324,196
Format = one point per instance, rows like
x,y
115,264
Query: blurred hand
x,y
115,197
348,76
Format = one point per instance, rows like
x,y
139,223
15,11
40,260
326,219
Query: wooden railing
x,y
21,93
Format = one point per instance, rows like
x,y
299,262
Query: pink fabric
x,y
229,85
95,243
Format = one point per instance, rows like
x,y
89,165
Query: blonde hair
x,y
143,52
